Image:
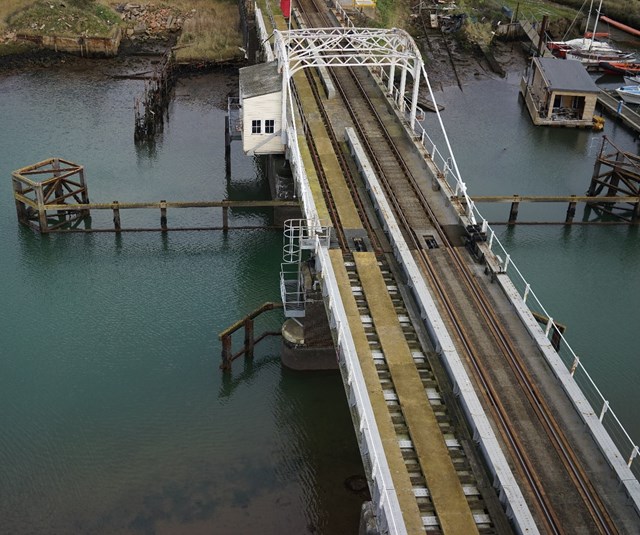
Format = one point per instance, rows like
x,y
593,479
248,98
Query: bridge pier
x,y
307,343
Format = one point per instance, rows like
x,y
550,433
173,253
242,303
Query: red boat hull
x,y
623,69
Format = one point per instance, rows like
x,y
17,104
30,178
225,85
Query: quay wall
x,y
80,45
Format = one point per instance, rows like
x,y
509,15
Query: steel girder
x,y
346,47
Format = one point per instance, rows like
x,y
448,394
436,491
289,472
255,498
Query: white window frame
x,y
256,126
269,126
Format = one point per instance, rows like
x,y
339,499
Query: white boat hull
x,y
630,94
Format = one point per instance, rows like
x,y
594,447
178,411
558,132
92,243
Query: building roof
x,y
260,79
566,75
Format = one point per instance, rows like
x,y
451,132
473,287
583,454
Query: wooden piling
x,y
163,215
225,218
513,213
249,339
571,212
116,216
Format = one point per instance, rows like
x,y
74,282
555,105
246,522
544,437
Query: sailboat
x,y
587,49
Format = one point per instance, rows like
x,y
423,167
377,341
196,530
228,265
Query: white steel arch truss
x,y
350,47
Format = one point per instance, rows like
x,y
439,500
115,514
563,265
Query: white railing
x,y
385,500
448,169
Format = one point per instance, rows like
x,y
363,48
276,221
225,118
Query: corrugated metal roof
x,y
260,79
566,75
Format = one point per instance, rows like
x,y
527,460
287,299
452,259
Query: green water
x,y
586,277
115,417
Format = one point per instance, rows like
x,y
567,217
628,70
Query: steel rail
x,y
567,456
339,153
317,164
351,182
509,435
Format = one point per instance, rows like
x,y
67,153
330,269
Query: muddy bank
x,y
450,62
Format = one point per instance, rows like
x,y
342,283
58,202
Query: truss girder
x,y
346,47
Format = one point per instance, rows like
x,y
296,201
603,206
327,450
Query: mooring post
x,y
116,215
227,147
248,337
226,352
225,218
571,212
163,215
513,214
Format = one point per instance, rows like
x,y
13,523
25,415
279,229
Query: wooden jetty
x,y
571,201
228,356
151,109
608,101
52,196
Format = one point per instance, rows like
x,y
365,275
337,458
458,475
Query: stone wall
x,y
81,46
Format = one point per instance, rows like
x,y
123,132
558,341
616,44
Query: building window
x,y
269,126
256,126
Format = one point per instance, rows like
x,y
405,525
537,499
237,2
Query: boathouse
x,y
559,92
261,108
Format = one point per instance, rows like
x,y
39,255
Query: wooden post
x,y
227,147
248,337
593,187
116,216
226,353
513,214
543,29
571,212
225,218
42,213
163,215
21,208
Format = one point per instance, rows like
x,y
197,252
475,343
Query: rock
x,y
130,7
139,29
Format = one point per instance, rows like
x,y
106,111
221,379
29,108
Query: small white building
x,y
261,105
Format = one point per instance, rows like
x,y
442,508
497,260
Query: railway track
x,y
466,304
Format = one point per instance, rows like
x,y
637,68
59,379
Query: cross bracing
x,y
387,49
346,47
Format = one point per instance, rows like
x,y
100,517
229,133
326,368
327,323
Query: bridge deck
x,y
442,480
401,481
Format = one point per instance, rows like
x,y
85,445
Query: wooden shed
x,y
559,92
261,109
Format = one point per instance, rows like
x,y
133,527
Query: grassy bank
x,y
210,28
211,33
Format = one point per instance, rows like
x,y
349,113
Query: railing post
x,y
605,408
633,455
506,265
574,366
526,292
549,325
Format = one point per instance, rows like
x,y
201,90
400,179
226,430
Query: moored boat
x,y
593,58
621,68
629,93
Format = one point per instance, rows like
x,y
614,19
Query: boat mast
x,y
595,26
586,27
